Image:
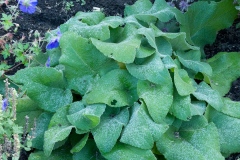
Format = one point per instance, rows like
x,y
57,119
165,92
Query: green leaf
x,y
225,66
123,151
203,20
202,144
181,107
193,124
41,126
87,118
59,154
192,60
124,51
141,130
26,107
231,108
146,12
79,146
152,69
53,135
90,18
82,61
45,86
98,30
89,151
158,98
108,131
212,97
177,40
117,88
198,108
138,7
228,129
60,118
183,82
169,62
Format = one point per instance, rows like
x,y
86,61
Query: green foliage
x,y
6,21
224,67
203,20
121,88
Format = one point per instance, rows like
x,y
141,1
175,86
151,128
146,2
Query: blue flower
x,y
171,4
183,5
4,104
48,62
54,42
28,6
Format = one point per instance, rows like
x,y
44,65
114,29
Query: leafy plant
x,y
121,88
13,137
22,51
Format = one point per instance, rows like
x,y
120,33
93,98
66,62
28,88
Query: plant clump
x,y
134,87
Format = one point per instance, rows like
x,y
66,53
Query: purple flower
x,y
28,6
48,62
183,5
171,4
54,42
4,104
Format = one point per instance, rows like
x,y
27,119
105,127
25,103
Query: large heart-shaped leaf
x,y
181,107
192,60
145,11
151,69
206,93
87,118
158,98
201,28
231,108
228,129
53,135
45,86
202,144
82,62
183,82
225,67
91,27
123,151
117,88
124,51
108,131
141,131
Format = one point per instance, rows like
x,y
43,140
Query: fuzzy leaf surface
x,y
225,67
82,62
117,88
228,129
141,130
87,118
124,151
53,135
157,97
202,144
201,28
45,86
212,97
108,131
151,69
183,82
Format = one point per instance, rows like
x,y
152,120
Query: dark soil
x,y
52,13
